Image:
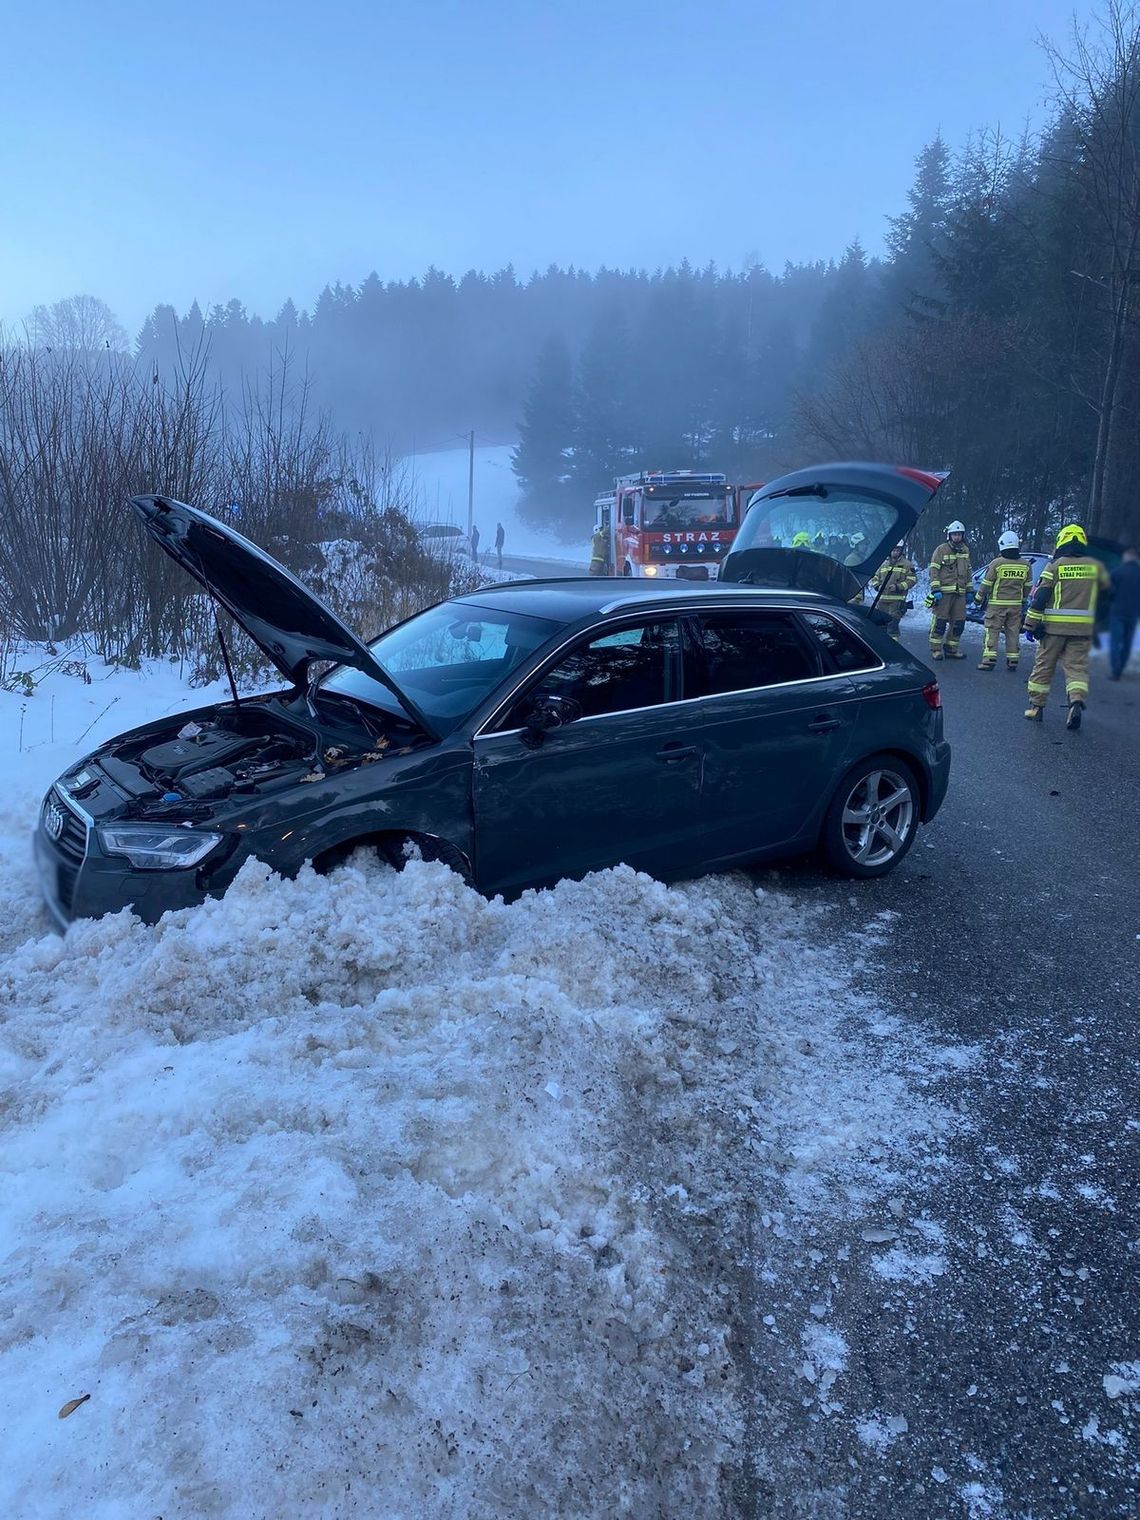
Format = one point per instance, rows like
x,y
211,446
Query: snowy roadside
x,y
360,1195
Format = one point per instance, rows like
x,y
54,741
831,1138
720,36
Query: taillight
x,y
932,695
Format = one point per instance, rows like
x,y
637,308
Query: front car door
x,y
622,782
779,718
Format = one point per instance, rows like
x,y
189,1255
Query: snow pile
x,y
317,1192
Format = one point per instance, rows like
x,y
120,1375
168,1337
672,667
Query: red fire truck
x,y
674,523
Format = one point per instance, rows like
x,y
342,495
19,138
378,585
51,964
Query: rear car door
x,y
778,723
620,783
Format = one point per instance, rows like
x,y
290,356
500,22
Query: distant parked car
x,y
535,730
442,540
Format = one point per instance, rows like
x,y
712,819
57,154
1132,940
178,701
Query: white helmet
x,y
858,538
956,527
1009,541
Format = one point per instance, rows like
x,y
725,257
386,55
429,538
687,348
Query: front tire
x,y
627,568
393,848
872,820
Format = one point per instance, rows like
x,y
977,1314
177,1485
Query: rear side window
x,y
741,651
843,650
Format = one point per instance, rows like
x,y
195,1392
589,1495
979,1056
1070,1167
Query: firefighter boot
x,y
1073,721
1035,714
988,664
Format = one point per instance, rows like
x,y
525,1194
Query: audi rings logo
x,y
53,820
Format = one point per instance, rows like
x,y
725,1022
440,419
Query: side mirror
x,y
627,513
546,713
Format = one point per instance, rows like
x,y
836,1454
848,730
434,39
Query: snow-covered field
x,y
360,1195
441,479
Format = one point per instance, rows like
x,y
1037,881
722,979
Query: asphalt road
x,y
1019,932
541,569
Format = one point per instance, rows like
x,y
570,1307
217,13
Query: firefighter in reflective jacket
x,y
1005,586
949,582
892,583
1062,618
599,547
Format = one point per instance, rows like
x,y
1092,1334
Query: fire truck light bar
x,y
673,478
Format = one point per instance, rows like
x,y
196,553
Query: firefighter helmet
x,y
857,539
801,541
1072,533
1009,541
955,527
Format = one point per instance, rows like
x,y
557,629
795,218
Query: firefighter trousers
x,y
999,620
1073,656
948,621
895,609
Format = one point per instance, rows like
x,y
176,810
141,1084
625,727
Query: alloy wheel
x,y
878,817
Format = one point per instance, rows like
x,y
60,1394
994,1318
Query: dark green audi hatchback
x,y
534,730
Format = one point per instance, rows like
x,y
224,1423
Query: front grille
x,y
69,844
73,841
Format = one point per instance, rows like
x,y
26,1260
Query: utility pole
x,y
470,482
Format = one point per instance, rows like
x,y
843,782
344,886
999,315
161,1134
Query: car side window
x,y
843,650
738,651
633,667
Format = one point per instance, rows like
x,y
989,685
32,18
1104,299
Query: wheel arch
x,y
390,843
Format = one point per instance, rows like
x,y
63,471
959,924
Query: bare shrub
x,y
81,433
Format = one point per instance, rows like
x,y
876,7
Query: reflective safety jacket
x,y
950,569
1007,581
1065,599
894,580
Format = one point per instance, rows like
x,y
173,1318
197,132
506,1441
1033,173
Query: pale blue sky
x,y
169,152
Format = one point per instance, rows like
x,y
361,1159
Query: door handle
x,y
677,752
823,724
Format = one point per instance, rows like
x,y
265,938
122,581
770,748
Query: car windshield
x,y
446,660
665,514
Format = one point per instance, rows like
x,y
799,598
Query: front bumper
x,y
78,880
682,570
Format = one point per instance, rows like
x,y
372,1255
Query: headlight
x,y
651,569
158,847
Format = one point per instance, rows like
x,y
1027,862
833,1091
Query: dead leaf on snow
x,y
72,1405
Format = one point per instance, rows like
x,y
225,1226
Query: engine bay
x,y
244,749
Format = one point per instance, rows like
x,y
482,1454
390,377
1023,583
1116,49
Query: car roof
x,y
573,599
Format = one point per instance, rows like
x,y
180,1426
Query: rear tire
x,y
872,819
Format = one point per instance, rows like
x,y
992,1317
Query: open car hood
x,y
852,515
284,619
